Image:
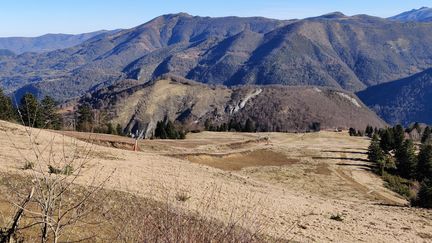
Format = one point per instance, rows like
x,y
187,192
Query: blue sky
x,y
36,17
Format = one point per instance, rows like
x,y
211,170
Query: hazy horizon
x,y
26,18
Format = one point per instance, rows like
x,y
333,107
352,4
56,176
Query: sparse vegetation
x,y
28,165
182,196
399,185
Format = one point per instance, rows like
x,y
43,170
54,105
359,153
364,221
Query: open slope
x,y
326,173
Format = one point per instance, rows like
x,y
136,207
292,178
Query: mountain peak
x,y
423,14
333,15
180,15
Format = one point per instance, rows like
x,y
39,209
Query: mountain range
x,y
45,43
335,51
423,14
331,50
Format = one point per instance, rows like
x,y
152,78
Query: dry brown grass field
x,y
284,186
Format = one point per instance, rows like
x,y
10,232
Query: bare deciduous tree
x,y
56,202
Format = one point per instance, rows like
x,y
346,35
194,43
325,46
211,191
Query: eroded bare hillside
x,y
271,108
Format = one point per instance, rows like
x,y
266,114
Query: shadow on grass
x,y
344,151
339,158
362,166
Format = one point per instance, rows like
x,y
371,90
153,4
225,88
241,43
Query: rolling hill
x,y
270,107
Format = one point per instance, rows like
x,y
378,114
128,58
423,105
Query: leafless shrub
x,y
145,220
55,205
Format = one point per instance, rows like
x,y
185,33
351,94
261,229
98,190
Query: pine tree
x,y
387,140
398,136
170,130
369,131
160,130
7,111
119,130
85,118
424,196
249,126
426,135
424,164
406,160
352,132
30,111
50,118
375,153
110,128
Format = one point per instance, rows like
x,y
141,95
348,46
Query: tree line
x,y
31,112
231,126
403,163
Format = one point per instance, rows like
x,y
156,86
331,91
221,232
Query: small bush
x,y
28,165
54,170
182,197
399,185
67,170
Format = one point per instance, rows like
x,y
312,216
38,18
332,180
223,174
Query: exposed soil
x,y
238,161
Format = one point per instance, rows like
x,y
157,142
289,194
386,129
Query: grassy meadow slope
x,y
289,184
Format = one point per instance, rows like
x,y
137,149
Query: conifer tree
x,y
352,132
426,135
249,126
50,118
110,128
424,196
398,136
424,164
85,118
119,130
369,131
30,111
7,111
387,140
375,153
406,160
